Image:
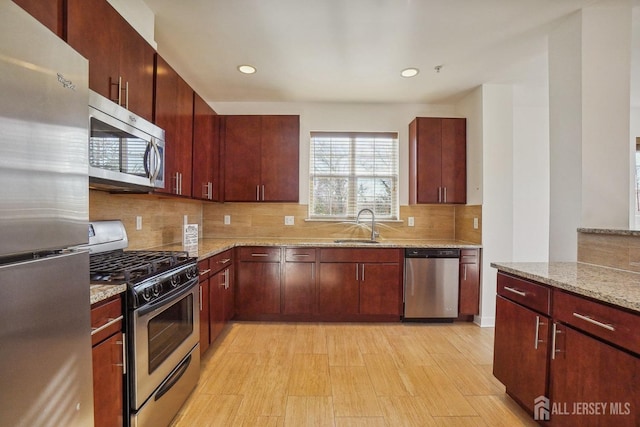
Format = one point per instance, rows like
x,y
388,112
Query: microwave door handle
x,y
157,162
147,161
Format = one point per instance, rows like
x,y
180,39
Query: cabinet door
x,y
108,382
206,151
299,288
454,160
338,288
380,288
204,316
49,12
216,304
242,158
136,69
586,370
469,303
280,139
99,42
229,292
258,288
428,151
173,112
519,360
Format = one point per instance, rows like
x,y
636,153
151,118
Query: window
x,y
350,171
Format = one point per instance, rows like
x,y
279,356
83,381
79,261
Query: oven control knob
x,y
192,272
157,288
175,280
146,294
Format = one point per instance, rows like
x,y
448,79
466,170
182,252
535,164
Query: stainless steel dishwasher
x,y
431,284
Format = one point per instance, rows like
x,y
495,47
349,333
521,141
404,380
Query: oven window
x,y
168,330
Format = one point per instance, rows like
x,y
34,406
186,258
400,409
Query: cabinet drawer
x,y
204,271
259,254
609,323
220,261
468,256
300,254
106,319
360,255
530,294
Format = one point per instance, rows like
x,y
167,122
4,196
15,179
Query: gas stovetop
x,y
134,266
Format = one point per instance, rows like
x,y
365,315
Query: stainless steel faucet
x,y
373,222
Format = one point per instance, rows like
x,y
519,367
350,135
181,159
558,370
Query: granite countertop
x,y
618,287
102,292
209,247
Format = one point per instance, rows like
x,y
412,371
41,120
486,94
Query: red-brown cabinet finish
x,y
108,363
437,160
299,281
261,158
206,151
204,270
49,12
469,303
173,112
120,59
257,290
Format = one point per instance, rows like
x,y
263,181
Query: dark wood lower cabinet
x,y
298,288
379,292
521,351
592,383
108,382
338,288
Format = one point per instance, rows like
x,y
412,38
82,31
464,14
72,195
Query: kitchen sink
x,y
355,241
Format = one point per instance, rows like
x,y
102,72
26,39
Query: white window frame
x,y
388,172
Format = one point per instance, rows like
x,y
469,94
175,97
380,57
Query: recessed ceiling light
x,y
409,72
246,69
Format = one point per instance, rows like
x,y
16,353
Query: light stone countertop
x,y
102,292
618,287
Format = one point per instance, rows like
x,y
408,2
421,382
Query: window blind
x,y
350,171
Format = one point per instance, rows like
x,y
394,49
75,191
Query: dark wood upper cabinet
x,y
173,112
206,151
120,59
49,12
437,160
261,158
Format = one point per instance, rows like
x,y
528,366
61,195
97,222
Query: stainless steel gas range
x,y
162,318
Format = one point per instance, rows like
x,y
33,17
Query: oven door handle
x,y
173,378
168,299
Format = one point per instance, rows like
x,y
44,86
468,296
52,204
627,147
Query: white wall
x,y
345,117
138,14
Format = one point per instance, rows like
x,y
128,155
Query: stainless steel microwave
x,y
126,152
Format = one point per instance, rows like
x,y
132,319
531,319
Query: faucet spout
x,y
373,222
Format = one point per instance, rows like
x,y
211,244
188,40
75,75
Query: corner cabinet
x,y
120,59
437,160
108,362
173,112
261,158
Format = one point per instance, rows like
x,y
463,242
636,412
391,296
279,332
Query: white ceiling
x,y
354,50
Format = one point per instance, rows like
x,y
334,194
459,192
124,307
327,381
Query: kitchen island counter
x,y
610,285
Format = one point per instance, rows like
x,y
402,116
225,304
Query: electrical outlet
x,y
138,222
475,223
411,221
288,220
227,219
185,219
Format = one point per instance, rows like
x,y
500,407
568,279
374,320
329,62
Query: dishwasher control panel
x,y
431,253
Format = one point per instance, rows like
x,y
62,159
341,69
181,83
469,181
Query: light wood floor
x,y
348,375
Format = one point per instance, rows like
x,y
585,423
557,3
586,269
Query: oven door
x,y
163,334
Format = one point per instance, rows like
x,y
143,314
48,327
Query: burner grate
x,y
131,266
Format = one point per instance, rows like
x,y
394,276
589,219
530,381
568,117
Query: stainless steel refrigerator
x,y
45,331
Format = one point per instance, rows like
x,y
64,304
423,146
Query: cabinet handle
x,y
357,268
111,322
606,326
123,343
119,90
207,191
203,272
180,184
126,95
257,192
439,194
263,192
200,298
515,291
210,194
259,255
363,272
464,275
226,260
555,332
313,272
537,339
445,194
301,255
